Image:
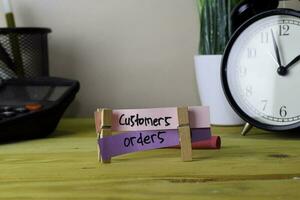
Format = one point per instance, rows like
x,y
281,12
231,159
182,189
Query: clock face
x,y
261,70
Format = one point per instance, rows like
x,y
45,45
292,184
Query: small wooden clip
x,y
184,133
105,128
97,115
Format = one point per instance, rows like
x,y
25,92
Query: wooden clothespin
x,y
97,116
184,133
105,127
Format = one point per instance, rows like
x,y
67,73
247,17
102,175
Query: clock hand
x,y
281,70
295,60
276,49
273,58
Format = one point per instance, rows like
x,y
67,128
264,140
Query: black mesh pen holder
x,y
23,52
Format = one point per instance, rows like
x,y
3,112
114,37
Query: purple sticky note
x,y
145,140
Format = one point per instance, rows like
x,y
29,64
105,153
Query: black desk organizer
x,y
17,121
23,52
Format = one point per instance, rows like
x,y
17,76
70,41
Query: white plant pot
x,y
211,94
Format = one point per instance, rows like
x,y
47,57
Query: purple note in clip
x,y
145,140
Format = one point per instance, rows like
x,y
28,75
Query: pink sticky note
x,y
157,119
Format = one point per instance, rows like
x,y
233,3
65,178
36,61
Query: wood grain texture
x,y
183,116
64,166
105,131
106,118
185,143
184,134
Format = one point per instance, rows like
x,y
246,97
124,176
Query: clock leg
x,y
246,129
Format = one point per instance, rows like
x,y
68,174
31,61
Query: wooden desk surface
x,y
64,166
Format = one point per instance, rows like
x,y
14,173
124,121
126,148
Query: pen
x,y
13,38
9,16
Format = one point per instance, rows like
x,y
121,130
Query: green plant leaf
x,y
215,24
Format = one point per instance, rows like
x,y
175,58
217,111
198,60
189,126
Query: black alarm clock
x,y
248,8
260,70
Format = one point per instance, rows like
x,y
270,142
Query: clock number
x,y
243,72
265,103
264,37
251,53
248,91
284,30
283,111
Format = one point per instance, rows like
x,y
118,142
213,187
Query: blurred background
x,y
125,53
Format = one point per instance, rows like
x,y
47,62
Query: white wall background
x,y
125,53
